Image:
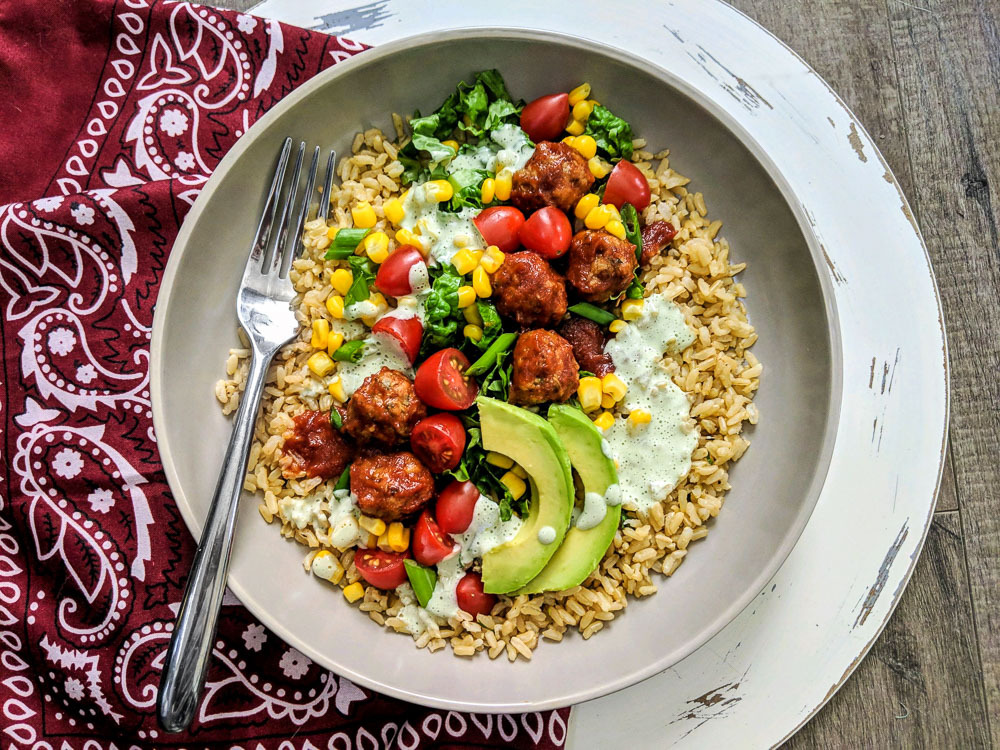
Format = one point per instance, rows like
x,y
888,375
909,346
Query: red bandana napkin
x,y
114,114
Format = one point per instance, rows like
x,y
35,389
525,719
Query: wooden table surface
x,y
924,78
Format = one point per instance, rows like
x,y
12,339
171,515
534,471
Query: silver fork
x,y
264,311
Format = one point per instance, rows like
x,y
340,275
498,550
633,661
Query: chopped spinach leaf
x,y
612,133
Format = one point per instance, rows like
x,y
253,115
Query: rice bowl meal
x,y
522,371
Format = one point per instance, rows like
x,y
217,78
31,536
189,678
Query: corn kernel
x,y
377,246
499,459
492,259
326,566
578,94
334,341
331,232
320,364
514,483
450,143
617,326
575,128
582,110
594,103
586,146
466,296
374,526
502,185
398,537
481,282
439,190
473,332
612,211
363,215
464,261
354,592
604,421
589,393
320,333
638,416
570,140
383,542
336,388
406,237
368,540
597,218
519,471
616,228
598,167
335,305
488,190
471,314
341,280
607,402
632,309
614,386
586,204
393,209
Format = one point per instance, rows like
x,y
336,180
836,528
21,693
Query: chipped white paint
x,y
785,655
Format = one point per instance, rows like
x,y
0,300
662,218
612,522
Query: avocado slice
x,y
581,550
533,443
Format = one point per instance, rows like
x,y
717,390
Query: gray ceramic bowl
x,y
775,486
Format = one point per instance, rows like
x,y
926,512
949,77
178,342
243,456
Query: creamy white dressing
x,y
444,600
546,535
380,351
508,148
351,329
438,229
486,530
415,618
364,309
303,512
419,279
652,458
594,511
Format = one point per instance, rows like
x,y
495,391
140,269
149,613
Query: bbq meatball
x,y
544,369
555,175
587,339
384,409
601,266
655,237
312,447
527,289
391,485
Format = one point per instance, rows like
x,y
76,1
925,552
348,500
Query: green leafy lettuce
x,y
476,469
442,316
612,133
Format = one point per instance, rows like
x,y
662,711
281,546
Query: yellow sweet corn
x,y
586,146
354,592
481,282
333,342
363,215
335,305
368,540
616,228
575,128
589,393
605,420
598,167
570,140
471,314
593,103
393,209
331,232
383,541
399,537
492,259
320,364
473,332
581,111
326,566
320,333
586,204
341,280
502,184
450,143
617,326
578,94
336,388
614,386
637,417
464,261
466,296
499,460
406,237
514,483
374,526
519,471
597,218
632,309
440,190
607,402
377,246
488,190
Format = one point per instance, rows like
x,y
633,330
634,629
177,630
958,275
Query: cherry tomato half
x,y
393,277
455,507
545,118
471,596
438,441
407,332
547,232
627,185
383,570
440,381
429,545
499,226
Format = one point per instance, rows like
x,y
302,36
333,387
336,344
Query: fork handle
x,y
194,632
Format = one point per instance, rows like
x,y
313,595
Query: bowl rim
x,y
836,375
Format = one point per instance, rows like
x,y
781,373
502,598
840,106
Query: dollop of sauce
x,y
303,512
486,530
379,352
546,535
444,600
652,458
415,618
314,447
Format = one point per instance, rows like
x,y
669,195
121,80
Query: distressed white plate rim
x,y
777,664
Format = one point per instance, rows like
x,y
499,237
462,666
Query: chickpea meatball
x,y
601,266
527,289
555,175
384,409
588,340
544,369
391,486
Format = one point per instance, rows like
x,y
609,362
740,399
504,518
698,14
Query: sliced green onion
x,y
345,243
350,352
422,580
335,419
592,312
504,342
344,483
